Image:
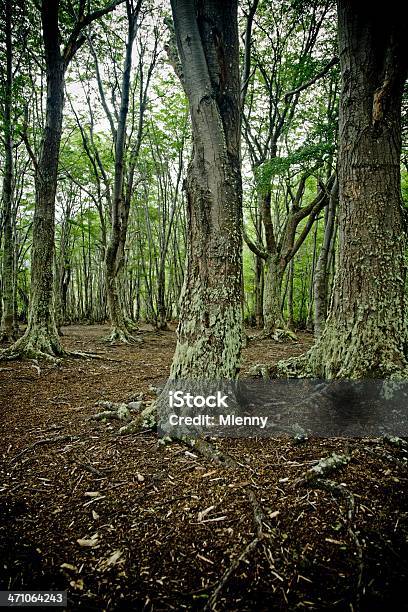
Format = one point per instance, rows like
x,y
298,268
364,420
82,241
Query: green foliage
x,y
307,158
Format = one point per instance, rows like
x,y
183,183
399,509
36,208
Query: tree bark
x,y
120,207
272,312
41,336
209,335
365,334
320,288
7,319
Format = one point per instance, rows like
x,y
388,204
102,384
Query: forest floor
x,y
136,506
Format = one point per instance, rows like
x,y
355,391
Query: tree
x,y
320,284
209,335
41,336
283,58
126,121
114,257
7,331
365,334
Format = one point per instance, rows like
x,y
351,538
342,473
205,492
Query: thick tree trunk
x,y
320,288
119,328
41,336
209,336
7,319
365,334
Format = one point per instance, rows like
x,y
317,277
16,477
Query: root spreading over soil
x,y
126,523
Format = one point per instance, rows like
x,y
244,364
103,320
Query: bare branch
x,y
319,75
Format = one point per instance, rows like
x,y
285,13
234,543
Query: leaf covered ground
x,y
126,523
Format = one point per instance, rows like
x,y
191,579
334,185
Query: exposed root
x,y
146,419
262,370
132,326
118,412
278,334
295,367
41,443
35,344
27,352
209,451
326,466
122,336
81,355
315,478
350,353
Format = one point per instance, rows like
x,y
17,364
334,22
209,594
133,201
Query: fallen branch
x,y
261,539
315,478
229,572
41,443
92,470
81,355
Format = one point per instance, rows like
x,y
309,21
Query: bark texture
x,y
7,320
41,336
209,336
114,259
320,284
365,334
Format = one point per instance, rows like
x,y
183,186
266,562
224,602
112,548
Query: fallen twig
x,y
41,442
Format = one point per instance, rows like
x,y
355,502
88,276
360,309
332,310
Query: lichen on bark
x,y
365,335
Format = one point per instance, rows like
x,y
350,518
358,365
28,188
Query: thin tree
x,y
7,319
41,336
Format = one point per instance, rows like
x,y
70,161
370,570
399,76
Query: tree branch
x,y
319,75
259,252
76,40
247,51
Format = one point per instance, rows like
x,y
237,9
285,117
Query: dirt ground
x,y
159,525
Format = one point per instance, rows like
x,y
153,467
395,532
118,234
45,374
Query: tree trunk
x,y
365,334
41,336
259,290
310,317
272,312
7,319
161,298
114,260
259,281
320,288
291,322
209,335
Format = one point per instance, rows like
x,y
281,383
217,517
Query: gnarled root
x,y
146,419
122,335
279,334
34,345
